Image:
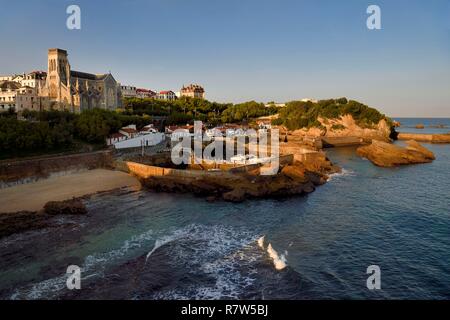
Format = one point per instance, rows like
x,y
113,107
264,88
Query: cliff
x,y
347,127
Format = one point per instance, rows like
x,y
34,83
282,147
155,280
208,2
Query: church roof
x,y
88,76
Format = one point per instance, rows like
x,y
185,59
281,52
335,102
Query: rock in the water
x,y
11,223
74,206
417,147
388,155
15,222
236,195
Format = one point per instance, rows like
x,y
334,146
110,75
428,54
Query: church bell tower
x,y
59,75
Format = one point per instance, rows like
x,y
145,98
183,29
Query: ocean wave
x,y
225,255
215,262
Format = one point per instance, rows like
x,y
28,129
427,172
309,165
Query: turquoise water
x,y
144,245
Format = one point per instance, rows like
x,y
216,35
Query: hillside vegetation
x,y
299,114
186,109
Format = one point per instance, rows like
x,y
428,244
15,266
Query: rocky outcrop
x,y
11,223
388,155
313,159
346,126
73,206
236,187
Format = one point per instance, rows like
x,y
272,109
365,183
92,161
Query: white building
x,y
145,93
128,91
19,98
35,79
115,138
148,129
265,124
129,131
8,93
6,78
167,95
214,132
146,140
235,132
193,91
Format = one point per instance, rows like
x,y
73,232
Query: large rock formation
x,y
388,155
346,126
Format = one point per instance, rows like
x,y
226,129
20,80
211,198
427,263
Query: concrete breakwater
x,y
16,172
423,137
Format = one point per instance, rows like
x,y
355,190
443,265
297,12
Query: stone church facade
x,y
77,91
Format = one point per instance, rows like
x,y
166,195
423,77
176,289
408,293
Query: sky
x,y
241,50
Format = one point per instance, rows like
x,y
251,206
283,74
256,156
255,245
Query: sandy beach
x,y
33,196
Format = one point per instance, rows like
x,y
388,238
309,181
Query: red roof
x,y
145,91
128,130
117,135
173,128
145,129
166,92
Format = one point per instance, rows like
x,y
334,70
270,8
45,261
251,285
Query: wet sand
x,y
33,196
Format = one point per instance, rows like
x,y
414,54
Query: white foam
x,y
278,261
175,235
343,173
261,242
220,252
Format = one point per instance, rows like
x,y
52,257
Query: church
x,y
77,91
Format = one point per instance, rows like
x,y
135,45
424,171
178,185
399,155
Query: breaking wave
x,y
224,255
279,261
205,262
